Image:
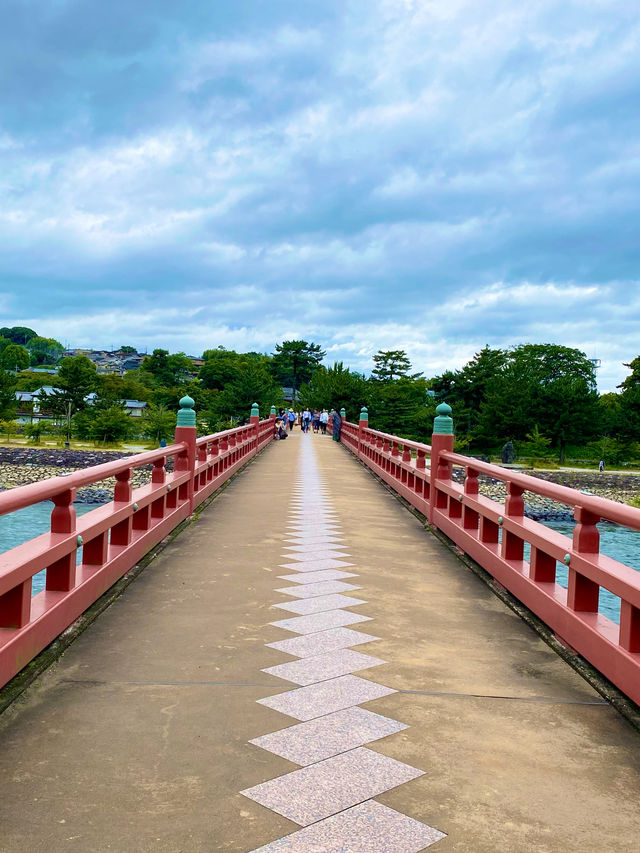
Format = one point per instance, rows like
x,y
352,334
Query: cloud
x,y
431,176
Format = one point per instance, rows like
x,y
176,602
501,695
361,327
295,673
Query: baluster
x,y
582,593
512,544
159,473
61,575
123,493
470,516
629,627
15,606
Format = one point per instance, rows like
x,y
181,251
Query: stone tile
x,y
315,740
367,828
313,513
312,547
309,645
306,703
315,530
323,789
315,622
316,565
312,670
319,604
328,541
315,554
310,590
314,577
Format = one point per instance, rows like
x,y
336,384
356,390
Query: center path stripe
x,y
330,794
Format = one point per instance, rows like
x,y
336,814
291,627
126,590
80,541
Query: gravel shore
x,y
22,465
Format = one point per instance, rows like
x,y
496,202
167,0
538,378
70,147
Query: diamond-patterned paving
x,y
331,794
323,667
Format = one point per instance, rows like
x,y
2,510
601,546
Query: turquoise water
x,y
25,524
615,541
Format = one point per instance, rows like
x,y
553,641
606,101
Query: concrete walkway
x,y
426,717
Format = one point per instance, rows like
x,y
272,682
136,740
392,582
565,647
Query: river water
x,y
617,542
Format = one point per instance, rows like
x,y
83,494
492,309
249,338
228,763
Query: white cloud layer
x,y
368,174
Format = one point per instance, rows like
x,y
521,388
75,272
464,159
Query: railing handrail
x,y
494,533
23,496
405,442
606,508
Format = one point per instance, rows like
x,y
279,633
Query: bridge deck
x,y
138,739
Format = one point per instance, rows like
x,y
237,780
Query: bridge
x,y
262,649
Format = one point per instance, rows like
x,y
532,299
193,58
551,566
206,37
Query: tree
x,y
14,357
294,362
18,334
105,423
158,422
254,384
465,390
390,365
77,378
8,403
221,366
336,386
127,350
544,384
167,370
401,407
44,350
629,414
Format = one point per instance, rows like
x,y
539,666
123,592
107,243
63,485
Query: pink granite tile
x,y
367,828
315,740
320,603
315,622
310,590
314,577
313,793
311,670
309,645
316,565
316,700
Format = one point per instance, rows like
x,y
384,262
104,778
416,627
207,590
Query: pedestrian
x,y
601,465
291,418
315,420
306,419
324,420
336,421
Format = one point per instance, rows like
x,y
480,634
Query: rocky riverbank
x,y
616,487
20,466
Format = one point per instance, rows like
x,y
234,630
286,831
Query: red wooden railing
x,y
113,537
474,522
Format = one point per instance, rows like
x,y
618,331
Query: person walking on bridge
x,y
324,420
336,421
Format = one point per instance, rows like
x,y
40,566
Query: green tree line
x,y
543,397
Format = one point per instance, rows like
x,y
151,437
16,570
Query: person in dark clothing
x,y
336,420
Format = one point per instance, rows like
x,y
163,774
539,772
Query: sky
x,y
426,175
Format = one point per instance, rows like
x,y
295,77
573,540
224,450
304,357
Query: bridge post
x,y
185,433
343,413
272,413
363,424
254,419
441,441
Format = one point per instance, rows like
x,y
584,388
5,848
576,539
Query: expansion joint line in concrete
x,y
332,795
